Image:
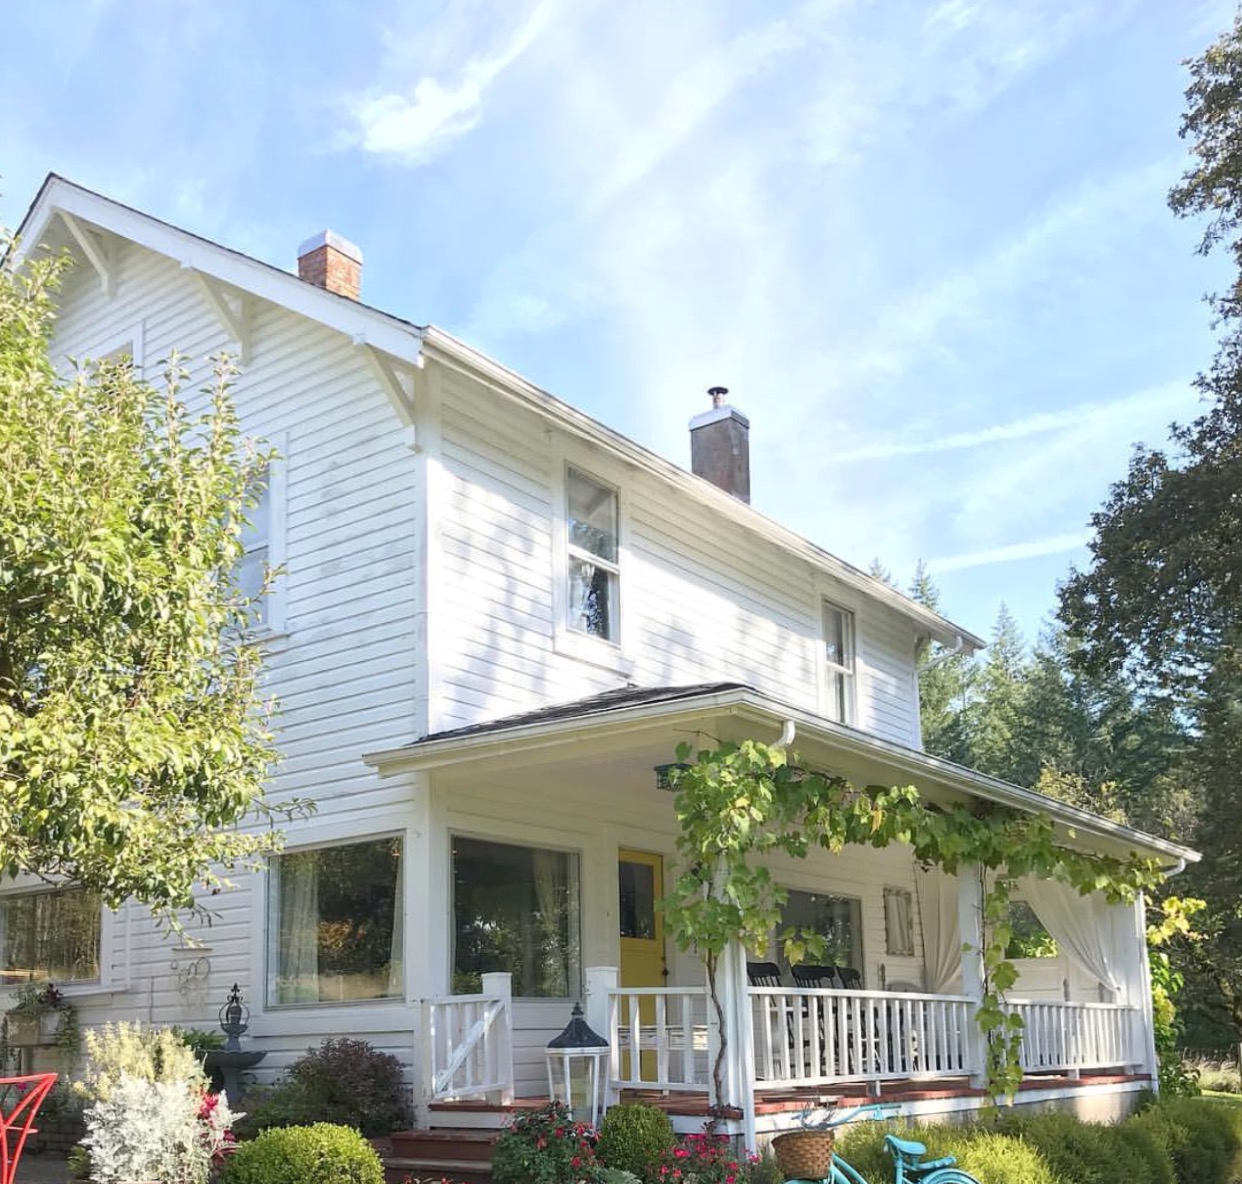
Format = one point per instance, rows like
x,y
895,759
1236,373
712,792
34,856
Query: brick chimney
x,y
720,446
332,262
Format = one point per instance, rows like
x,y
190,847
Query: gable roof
x,y
392,334
407,342
637,708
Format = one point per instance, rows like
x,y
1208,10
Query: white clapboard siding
x,y
345,672
702,600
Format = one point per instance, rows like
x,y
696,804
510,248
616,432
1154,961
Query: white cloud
x,y
412,126
1171,396
1053,545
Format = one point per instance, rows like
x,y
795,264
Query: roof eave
x,y
432,754
363,324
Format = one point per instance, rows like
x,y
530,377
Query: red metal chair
x,y
17,1123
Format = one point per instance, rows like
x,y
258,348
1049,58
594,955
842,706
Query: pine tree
x,y
945,680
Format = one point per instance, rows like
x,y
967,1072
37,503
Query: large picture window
x,y
515,909
594,575
50,935
837,919
335,924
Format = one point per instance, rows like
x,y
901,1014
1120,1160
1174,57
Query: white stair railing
x,y
468,1040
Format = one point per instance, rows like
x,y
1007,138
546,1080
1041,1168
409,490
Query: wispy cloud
x,y
1054,545
1085,416
412,125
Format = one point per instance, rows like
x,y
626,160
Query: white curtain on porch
x,y
942,932
1085,928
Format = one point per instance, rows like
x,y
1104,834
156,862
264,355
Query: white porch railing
x,y
657,1038
1071,1036
468,1041
812,1037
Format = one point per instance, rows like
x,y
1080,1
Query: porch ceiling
x,y
633,729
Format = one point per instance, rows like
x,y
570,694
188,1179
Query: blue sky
x,y
925,244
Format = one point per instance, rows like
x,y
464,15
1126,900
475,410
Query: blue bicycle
x,y
911,1168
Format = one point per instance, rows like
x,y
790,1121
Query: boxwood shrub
x,y
635,1138
319,1154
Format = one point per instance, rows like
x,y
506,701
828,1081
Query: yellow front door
x,y
640,883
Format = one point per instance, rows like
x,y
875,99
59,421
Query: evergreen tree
x,y
995,716
945,680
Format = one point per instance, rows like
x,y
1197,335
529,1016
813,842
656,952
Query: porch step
x,y
460,1171
462,1155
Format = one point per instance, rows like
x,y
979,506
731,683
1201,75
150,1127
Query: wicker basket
x,y
804,1155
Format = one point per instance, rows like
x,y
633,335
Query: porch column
x,y
1135,974
426,931
970,921
739,1066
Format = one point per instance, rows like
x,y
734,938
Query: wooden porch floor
x,y
785,1100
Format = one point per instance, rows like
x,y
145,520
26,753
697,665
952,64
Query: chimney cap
x,y
329,238
719,410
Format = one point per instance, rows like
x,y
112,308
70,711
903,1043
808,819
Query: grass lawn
x,y
1227,1099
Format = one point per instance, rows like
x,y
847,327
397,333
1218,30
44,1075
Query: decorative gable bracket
x,y
94,246
393,382
232,309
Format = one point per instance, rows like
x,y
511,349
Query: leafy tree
x,y
133,741
1162,597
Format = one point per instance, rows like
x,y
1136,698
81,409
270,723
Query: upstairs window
x,y
257,558
593,573
263,543
838,663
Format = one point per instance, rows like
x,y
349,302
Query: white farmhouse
x,y
499,618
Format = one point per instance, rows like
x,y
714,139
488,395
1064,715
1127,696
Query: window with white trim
x,y
257,541
838,663
336,923
515,909
837,920
594,574
263,552
50,935
899,922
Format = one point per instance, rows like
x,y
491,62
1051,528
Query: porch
x,y
540,843
790,1049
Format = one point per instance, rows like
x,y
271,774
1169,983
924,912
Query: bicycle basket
x,y
804,1155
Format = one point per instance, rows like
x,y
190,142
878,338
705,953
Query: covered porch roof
x,y
645,725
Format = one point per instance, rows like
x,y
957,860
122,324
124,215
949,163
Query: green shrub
x,y
1203,1141
1175,1141
342,1081
545,1146
636,1139
992,1156
319,1154
1090,1153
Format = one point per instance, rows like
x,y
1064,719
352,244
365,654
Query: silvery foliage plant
x,y
168,1132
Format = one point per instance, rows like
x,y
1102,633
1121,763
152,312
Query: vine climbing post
x,y
970,920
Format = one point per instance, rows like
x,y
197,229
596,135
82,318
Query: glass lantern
x,y
575,1069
